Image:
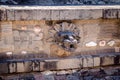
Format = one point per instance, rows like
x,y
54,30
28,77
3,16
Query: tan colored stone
x,y
12,67
69,63
20,67
96,61
107,60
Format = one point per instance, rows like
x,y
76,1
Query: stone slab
x,y
96,61
107,60
12,68
60,14
69,63
20,67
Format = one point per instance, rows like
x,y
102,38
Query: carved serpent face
x,y
67,39
66,35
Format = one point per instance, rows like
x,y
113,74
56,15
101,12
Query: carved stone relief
x,y
28,37
64,37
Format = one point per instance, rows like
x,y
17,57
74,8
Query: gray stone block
x,y
55,15
43,15
71,77
25,14
10,14
67,14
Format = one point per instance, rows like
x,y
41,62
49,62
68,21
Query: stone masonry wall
x,y
20,36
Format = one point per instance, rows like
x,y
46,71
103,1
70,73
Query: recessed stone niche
x,y
59,38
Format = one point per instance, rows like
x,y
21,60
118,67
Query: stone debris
x,y
82,74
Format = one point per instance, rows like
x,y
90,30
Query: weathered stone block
x,y
3,15
90,14
28,66
67,14
96,61
69,63
3,68
12,67
110,13
48,65
107,60
36,66
88,62
55,14
10,14
20,67
43,14
25,14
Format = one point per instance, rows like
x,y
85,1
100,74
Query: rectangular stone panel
x,y
20,67
96,61
55,14
67,14
3,68
110,13
88,62
107,60
25,14
69,63
12,67
43,15
3,15
10,14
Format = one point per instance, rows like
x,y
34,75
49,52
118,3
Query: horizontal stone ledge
x,y
60,64
58,14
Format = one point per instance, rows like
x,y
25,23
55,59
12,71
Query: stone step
x,y
86,61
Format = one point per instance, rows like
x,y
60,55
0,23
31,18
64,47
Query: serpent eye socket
x,y
71,46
